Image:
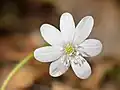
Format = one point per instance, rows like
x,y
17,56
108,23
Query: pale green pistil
x,y
69,49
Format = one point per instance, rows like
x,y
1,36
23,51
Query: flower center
x,y
69,49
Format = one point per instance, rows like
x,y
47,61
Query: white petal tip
x,y
66,14
54,74
100,46
90,18
86,76
36,54
99,49
43,26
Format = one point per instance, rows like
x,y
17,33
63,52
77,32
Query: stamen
x,y
78,60
82,61
65,60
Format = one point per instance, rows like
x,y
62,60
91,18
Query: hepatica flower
x,y
69,46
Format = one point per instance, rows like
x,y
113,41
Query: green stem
x,y
17,68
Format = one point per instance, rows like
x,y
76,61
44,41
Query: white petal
x,y
57,68
83,29
51,34
90,47
67,26
82,69
47,54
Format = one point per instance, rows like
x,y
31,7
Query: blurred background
x,y
19,35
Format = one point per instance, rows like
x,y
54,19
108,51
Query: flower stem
x,y
17,68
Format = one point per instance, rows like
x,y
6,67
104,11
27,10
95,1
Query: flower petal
x,y
57,68
67,26
90,47
82,69
47,54
51,34
83,29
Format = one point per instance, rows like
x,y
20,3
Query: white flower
x,y
68,46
